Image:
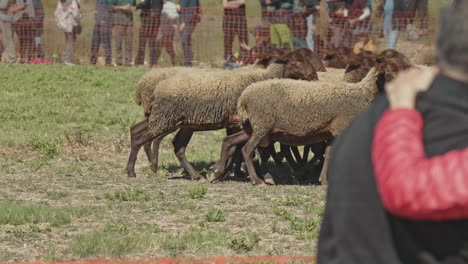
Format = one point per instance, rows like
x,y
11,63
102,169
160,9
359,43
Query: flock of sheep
x,y
280,99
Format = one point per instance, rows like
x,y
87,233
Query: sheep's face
x,y
358,68
334,60
300,71
390,63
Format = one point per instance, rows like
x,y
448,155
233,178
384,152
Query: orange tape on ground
x,y
211,260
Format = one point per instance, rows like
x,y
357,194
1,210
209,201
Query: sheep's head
x,y
335,59
358,66
310,56
298,67
265,59
389,63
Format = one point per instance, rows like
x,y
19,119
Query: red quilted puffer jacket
x,y
411,185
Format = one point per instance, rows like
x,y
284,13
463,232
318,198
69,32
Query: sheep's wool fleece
x,y
331,75
203,98
303,108
150,80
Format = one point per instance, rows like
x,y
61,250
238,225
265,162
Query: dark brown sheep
x,y
312,57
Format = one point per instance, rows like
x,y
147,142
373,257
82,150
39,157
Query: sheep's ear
x,y
285,58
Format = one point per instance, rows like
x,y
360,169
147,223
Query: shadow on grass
x,y
282,175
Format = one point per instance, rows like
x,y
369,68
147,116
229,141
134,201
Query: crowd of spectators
x,y
285,24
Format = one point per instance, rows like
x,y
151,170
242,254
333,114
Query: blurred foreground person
x,y
356,227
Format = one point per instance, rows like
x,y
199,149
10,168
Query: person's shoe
x,y
69,63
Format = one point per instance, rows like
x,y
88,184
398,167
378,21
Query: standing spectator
x,y
150,19
102,31
67,16
337,21
357,12
234,23
190,16
24,28
311,9
7,10
168,27
356,227
38,28
123,30
393,24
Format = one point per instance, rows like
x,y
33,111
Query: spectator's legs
x,y
70,38
187,42
229,25
310,33
422,13
392,39
8,42
29,39
39,30
142,39
24,30
153,36
242,34
128,45
1,41
338,33
118,33
95,43
160,43
106,43
169,44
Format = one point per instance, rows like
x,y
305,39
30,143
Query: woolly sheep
x,y
296,112
196,101
149,82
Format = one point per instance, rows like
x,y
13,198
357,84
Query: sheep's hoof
x,y
257,181
154,168
196,177
269,179
131,174
211,177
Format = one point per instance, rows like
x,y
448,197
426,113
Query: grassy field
x,y
65,194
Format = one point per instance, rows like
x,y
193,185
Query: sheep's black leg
x,y
297,155
227,150
147,148
238,160
277,156
155,154
180,142
247,152
264,157
137,140
285,150
319,150
137,129
305,155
